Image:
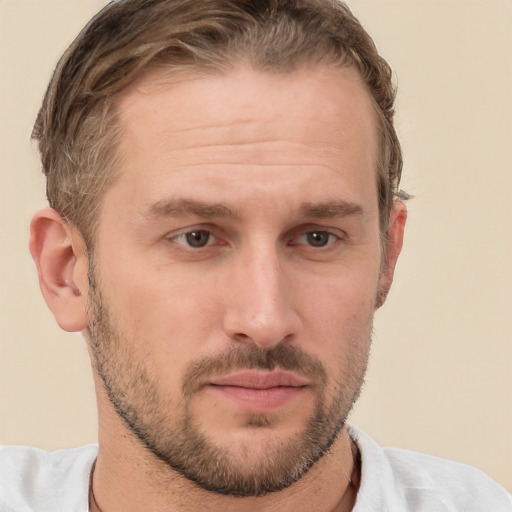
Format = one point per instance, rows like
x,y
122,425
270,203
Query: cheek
x,y
165,313
337,317
345,296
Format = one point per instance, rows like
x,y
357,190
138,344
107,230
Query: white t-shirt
x,y
392,480
395,480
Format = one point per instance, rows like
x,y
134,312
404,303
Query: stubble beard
x,y
176,438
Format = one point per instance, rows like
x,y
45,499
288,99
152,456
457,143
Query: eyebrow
x,y
189,208
330,210
193,208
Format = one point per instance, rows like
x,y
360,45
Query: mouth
x,y
259,392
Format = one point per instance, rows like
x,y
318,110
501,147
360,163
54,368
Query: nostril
x,y
240,336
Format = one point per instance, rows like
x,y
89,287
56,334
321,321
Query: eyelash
x,y
186,237
325,238
323,242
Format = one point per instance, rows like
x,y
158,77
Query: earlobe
x,y
395,237
61,260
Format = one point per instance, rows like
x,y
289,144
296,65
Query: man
x,y
225,217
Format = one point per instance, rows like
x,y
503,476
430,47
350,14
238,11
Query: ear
x,y
397,220
61,259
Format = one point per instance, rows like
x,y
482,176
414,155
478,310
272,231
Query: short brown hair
x,y
76,127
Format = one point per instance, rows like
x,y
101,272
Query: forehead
x,y
216,132
324,95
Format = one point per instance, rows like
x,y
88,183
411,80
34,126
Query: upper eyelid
x,y
337,236
220,232
184,244
187,231
312,228
190,229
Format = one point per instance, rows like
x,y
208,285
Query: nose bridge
x,y
260,309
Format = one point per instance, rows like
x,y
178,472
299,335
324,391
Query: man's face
x,y
236,269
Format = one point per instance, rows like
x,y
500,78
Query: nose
x,y
260,307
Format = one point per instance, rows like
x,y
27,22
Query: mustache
x,y
246,357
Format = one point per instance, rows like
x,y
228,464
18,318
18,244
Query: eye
x,y
195,239
316,238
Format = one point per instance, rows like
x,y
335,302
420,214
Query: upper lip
x,y
260,380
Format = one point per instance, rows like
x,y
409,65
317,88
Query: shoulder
x,y
401,480
32,479
429,478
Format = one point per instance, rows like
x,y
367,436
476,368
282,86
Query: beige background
x,y
440,379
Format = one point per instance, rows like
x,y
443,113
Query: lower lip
x,y
259,400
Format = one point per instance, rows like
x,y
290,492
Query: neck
x,y
329,486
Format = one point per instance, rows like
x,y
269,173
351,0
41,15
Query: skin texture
x,y
240,241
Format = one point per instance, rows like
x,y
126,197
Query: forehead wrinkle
x,y
189,208
242,143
